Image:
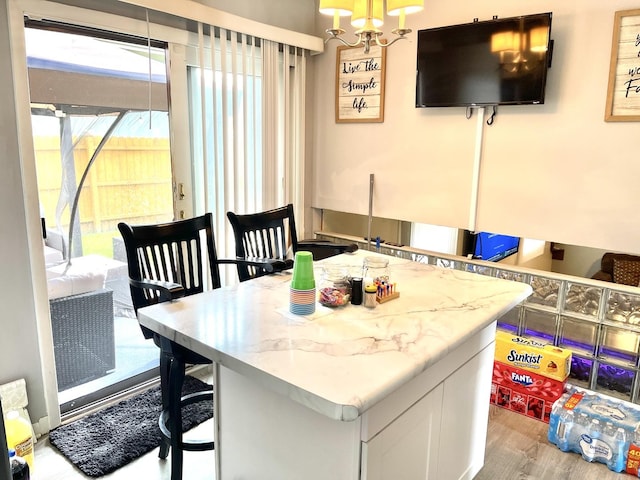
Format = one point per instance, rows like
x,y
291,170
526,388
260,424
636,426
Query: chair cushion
x,y
606,264
51,255
73,284
626,272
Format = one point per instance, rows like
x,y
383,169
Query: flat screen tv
x,y
503,61
491,247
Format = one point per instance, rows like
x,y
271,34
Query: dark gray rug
x,y
109,439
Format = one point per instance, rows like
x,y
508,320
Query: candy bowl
x,y
333,297
335,288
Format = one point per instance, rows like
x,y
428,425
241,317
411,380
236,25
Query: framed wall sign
x,y
623,94
360,84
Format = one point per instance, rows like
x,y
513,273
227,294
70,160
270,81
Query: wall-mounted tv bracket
x,y
469,113
475,20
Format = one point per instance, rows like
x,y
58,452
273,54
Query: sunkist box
x,y
533,356
524,392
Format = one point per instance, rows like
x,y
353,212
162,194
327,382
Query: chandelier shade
x,y
396,7
367,13
343,8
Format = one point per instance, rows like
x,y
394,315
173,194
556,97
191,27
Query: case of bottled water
x,y
598,427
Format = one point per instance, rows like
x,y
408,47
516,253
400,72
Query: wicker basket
x,y
83,337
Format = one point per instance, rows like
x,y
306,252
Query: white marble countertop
x,y
339,362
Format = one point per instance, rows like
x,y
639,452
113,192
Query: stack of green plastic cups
x,y
302,296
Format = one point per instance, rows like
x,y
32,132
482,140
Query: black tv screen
x,y
491,247
495,62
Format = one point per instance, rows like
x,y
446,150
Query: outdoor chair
x,y
165,262
83,337
269,234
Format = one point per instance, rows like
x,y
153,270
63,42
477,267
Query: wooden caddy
x,y
386,298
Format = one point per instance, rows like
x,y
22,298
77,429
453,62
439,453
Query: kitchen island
x,y
400,391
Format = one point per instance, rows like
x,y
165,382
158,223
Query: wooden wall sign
x,y
623,94
360,84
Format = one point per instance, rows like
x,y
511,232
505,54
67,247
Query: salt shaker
x,y
370,296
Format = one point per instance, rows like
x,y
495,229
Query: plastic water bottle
x,y
555,423
591,444
609,445
579,430
565,425
609,433
620,447
580,427
19,466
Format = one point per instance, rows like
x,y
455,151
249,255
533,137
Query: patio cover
x,y
68,69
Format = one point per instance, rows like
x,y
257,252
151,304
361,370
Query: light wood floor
x,y
517,449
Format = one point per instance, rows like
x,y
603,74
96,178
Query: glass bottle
x,y
375,270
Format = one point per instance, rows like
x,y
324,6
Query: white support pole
x,y
475,178
370,210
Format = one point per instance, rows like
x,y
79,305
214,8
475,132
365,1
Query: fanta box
x,y
543,359
524,392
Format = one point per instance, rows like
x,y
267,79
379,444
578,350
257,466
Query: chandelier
x,y
367,17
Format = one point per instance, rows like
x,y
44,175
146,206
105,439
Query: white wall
x,y
578,261
295,15
556,171
22,292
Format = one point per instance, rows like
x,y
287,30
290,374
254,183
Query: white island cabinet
x,y
396,392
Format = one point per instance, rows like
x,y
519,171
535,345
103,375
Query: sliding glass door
x,y
100,116
101,135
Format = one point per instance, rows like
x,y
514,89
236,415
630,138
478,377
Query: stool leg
x,y
165,365
176,380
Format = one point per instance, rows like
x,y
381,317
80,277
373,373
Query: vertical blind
x,y
247,127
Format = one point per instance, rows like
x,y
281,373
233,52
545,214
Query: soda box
x,y
546,360
523,391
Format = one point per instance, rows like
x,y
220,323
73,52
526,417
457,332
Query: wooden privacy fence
x,y
129,181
